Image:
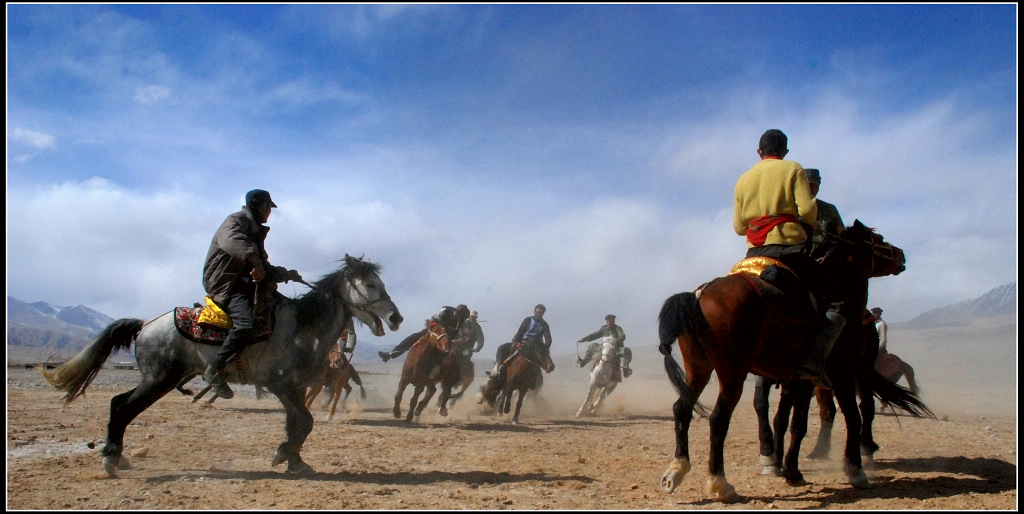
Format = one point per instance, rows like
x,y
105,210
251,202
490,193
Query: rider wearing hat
x,y
235,264
609,329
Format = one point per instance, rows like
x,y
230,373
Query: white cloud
x,y
40,140
150,94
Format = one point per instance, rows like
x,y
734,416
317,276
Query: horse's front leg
x,y
868,446
431,390
827,415
298,424
442,400
586,402
519,404
852,467
402,384
412,403
799,398
730,390
765,436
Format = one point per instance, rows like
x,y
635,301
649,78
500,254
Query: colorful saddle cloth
x,y
187,320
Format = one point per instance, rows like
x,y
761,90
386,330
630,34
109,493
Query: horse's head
x,y
868,252
544,357
366,296
436,336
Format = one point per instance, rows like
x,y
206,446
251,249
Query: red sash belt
x,y
757,230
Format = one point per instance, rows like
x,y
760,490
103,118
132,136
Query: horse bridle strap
x,y
357,306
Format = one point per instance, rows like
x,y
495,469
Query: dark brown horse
x,y
422,369
730,329
524,374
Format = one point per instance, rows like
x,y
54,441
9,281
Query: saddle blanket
x,y
186,319
778,286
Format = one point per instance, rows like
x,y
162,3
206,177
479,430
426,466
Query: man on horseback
x,y
235,265
775,210
829,221
532,330
610,329
470,337
451,318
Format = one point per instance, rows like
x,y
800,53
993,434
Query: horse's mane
x,y
321,301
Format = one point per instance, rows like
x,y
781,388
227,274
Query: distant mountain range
x,y
999,302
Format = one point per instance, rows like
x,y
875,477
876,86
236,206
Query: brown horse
x,y
458,372
422,369
731,329
337,375
524,374
893,368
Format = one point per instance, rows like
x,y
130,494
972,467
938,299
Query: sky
x,y
499,155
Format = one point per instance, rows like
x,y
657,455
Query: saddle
x,y
210,328
779,287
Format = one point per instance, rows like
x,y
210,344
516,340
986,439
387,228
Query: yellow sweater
x,y
775,186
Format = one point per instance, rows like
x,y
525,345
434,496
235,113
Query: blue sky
x,y
580,156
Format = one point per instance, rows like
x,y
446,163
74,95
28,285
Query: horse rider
x,y
882,329
451,318
470,337
775,210
609,329
829,221
532,330
235,265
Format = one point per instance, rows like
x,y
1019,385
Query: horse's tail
x,y
354,376
898,396
75,375
679,315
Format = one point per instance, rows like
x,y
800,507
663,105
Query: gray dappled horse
x,y
305,330
602,381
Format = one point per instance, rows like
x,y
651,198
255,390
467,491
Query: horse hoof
x,y
123,463
860,480
443,411
398,413
279,458
673,476
722,490
301,469
110,465
796,480
771,470
816,455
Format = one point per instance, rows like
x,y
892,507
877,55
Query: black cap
x,y
258,196
610,316
813,175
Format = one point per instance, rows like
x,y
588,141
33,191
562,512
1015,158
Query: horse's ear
x,y
858,224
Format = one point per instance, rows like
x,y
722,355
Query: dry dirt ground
x,y
197,456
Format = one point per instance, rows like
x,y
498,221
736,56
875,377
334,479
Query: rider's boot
x,y
813,367
581,361
215,377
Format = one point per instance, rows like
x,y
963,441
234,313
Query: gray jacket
x,y
227,266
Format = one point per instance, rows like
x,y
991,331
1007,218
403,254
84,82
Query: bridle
x,y
884,251
363,306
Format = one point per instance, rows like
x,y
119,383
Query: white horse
x,y
602,378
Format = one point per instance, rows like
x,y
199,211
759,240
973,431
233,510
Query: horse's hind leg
x,y
124,408
868,446
181,385
682,412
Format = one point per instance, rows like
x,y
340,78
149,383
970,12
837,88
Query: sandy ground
x,y
198,456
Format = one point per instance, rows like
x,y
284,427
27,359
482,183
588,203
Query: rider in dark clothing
x,y
533,330
450,318
235,264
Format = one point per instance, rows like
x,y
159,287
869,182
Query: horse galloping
x,y
337,375
422,369
524,374
603,379
732,331
304,331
